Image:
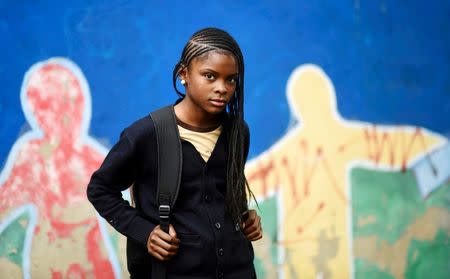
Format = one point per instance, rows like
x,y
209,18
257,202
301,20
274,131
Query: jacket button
x,y
207,198
217,225
220,252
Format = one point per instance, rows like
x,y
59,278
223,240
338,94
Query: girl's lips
x,y
218,102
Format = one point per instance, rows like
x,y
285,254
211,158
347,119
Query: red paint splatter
x,y
101,264
313,217
75,271
291,174
56,274
380,142
262,173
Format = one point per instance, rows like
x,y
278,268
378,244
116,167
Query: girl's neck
x,y
195,116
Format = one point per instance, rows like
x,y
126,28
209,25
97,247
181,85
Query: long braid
x,y
201,42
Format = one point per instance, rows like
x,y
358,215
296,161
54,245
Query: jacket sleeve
x,y
104,191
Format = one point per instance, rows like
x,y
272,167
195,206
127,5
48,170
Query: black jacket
x,y
211,245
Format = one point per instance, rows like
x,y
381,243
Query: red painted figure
x,y
49,168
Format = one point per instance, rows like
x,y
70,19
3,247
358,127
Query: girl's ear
x,y
182,73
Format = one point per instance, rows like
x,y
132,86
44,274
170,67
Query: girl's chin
x,y
215,110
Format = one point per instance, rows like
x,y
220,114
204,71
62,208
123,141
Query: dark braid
x,y
201,42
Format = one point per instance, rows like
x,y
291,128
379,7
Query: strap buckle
x,y
164,211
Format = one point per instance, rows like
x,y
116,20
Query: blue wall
x,y
389,62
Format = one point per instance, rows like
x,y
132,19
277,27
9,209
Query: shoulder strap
x,y
170,161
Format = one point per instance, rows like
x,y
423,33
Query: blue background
x,y
389,62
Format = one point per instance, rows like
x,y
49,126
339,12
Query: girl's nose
x,y
221,87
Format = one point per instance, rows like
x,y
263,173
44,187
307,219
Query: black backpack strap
x,y
170,161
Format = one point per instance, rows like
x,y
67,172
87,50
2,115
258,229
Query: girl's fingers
x,y
172,239
253,226
254,236
251,215
159,242
157,256
161,253
162,245
173,234
163,235
156,252
172,231
163,248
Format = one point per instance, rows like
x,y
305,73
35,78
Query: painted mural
x,y
352,199
339,199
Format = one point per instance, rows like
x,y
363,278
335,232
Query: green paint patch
x,y
269,215
390,200
429,257
440,197
12,239
259,266
366,270
385,204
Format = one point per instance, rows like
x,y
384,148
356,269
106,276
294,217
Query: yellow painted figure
x,y
308,170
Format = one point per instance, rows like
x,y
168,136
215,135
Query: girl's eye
x,y
232,80
209,76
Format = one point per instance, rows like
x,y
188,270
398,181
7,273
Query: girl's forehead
x,y
215,58
215,52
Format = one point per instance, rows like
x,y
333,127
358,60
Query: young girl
x,y
208,235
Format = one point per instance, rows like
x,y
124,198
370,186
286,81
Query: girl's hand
x,y
252,226
161,245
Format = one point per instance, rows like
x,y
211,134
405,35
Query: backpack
x,y
170,161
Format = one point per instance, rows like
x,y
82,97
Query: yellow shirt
x,y
204,140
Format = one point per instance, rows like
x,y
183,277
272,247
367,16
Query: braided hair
x,y
202,42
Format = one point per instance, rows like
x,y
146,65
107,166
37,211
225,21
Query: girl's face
x,y
211,81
